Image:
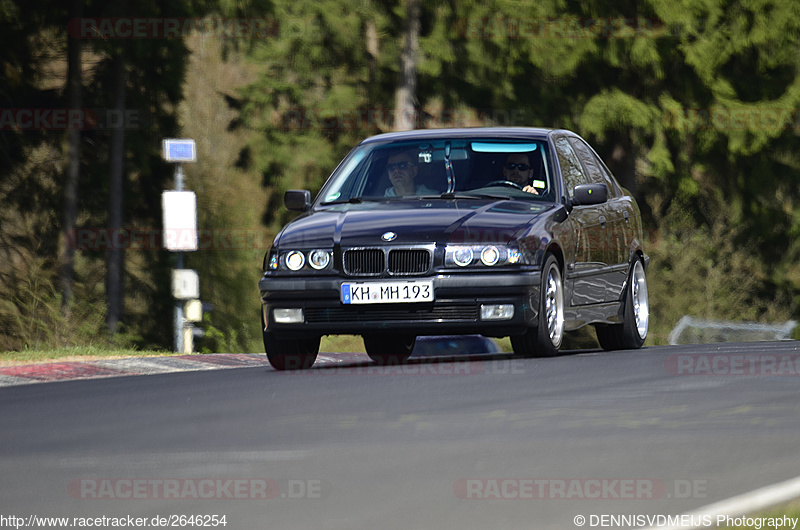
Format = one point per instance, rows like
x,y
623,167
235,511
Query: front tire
x,y
389,349
290,354
545,340
631,334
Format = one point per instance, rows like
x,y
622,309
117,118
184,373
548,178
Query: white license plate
x,y
387,292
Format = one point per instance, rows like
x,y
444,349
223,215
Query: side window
x,y
594,166
570,166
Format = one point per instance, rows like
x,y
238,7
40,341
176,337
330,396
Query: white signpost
x,y
180,235
185,284
180,220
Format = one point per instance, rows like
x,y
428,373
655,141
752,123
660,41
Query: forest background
x,y
694,105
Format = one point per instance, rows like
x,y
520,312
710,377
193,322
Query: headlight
x,y
462,256
490,255
295,260
319,259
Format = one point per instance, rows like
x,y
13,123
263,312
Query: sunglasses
x,y
396,165
522,167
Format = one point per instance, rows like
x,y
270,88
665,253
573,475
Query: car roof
x,y
538,133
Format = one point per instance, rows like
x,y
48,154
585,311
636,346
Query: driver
x,y
518,170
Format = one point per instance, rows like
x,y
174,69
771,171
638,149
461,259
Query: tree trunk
x,y
372,48
115,201
406,95
622,162
73,156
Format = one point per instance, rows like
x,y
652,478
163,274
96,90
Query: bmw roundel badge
x,y
389,236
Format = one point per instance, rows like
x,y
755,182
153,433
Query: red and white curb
x,y
72,370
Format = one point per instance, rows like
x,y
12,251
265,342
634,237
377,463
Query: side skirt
x,y
577,317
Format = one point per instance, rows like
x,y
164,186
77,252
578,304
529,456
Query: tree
x,y
114,261
654,86
405,96
73,158
140,93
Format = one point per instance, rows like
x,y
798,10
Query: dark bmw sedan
x,y
504,232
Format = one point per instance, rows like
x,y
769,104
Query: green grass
x,y
342,343
337,343
73,354
329,344
791,510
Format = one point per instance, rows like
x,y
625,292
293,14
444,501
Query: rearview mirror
x,y
297,200
589,194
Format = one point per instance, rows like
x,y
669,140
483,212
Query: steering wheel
x,y
506,183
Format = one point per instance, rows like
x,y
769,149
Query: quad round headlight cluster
x,y
488,255
295,260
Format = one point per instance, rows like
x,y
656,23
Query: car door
x,y
583,276
614,216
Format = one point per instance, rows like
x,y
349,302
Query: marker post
x,y
180,236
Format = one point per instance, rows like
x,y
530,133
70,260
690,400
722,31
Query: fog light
x,y
288,316
497,311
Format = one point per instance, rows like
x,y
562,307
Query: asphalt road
x,y
464,442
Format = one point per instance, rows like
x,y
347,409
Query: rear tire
x,y
389,349
545,339
632,332
290,354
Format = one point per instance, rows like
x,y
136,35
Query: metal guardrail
x,y
690,330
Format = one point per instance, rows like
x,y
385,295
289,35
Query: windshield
x,y
458,167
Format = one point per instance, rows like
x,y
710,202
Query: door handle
x,y
603,221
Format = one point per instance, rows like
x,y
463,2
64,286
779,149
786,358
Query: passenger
x,y
402,169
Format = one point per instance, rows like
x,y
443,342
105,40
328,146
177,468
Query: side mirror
x,y
589,194
297,200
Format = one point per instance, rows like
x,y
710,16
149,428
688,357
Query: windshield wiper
x,y
351,200
463,195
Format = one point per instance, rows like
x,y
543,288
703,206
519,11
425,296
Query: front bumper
x,y
455,309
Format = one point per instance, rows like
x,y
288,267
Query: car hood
x,y
415,222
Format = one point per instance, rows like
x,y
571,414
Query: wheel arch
x,y
555,249
639,254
